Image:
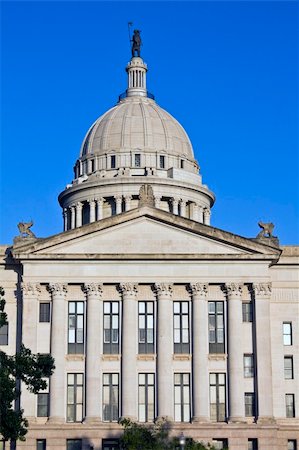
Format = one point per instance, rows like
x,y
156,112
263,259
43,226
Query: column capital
x,y
99,200
163,289
118,197
206,212
175,200
57,289
128,197
262,289
198,289
79,205
233,290
128,289
32,289
91,200
93,289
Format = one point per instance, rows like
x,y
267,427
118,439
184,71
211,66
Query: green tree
x,y
23,366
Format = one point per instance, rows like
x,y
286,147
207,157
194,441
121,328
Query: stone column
x,y
195,212
200,352
79,207
206,216
200,214
118,201
58,350
94,326
30,292
100,202
235,352
129,350
164,350
64,214
73,216
175,206
92,210
128,199
183,208
262,294
157,202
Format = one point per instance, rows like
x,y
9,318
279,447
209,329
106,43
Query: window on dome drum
x,y
181,327
110,444
182,411
217,397
74,444
137,160
44,312
92,165
146,327
287,333
146,397
220,444
216,327
249,401
247,311
288,368
252,444
111,327
4,334
112,161
110,397
41,444
182,163
162,162
76,328
248,364
290,405
43,402
292,444
75,397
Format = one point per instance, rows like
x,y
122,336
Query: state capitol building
x,y
148,310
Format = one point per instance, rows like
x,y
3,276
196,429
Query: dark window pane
x,y
74,444
41,444
4,334
44,312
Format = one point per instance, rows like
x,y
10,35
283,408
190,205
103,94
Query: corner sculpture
x,y
136,43
24,229
266,230
146,196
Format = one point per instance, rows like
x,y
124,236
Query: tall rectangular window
x,y
292,444
182,411
44,312
146,397
76,327
74,444
110,444
43,402
162,162
75,397
112,162
137,160
111,327
288,368
247,311
146,327
217,397
287,333
216,327
181,327
4,334
248,365
110,397
41,444
249,400
290,405
252,444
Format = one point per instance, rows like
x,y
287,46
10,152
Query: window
x,y
217,397
43,402
249,401
220,444
288,368
112,162
92,165
44,312
4,334
74,444
111,327
75,397
292,444
110,444
182,397
41,444
181,327
252,444
248,366
162,162
216,327
76,327
287,333
146,397
290,405
182,163
146,327
137,160
247,311
110,397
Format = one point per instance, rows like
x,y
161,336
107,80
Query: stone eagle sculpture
x,y
24,229
266,229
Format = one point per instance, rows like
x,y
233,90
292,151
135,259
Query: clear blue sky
x,y
228,71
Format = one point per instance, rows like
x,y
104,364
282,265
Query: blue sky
x,y
228,71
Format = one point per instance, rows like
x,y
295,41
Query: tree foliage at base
x,y
154,437
23,366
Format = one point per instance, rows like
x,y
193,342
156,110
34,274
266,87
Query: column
x,y
200,214
235,352
30,293
206,216
92,210
129,350
79,207
94,326
183,208
200,352
73,217
128,199
164,350
157,202
64,214
195,212
58,330
262,294
175,206
100,202
118,201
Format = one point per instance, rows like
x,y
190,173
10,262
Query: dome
x,y
137,123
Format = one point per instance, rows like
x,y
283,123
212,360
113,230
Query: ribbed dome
x,y
137,123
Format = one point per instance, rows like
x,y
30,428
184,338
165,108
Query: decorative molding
x,y
72,357
217,357
57,288
164,289
262,289
198,289
93,289
128,289
146,357
181,357
110,357
33,289
233,289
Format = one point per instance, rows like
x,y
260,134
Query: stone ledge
x,y
217,357
145,357
110,357
182,357
72,357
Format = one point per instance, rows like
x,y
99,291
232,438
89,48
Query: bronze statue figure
x,y
136,43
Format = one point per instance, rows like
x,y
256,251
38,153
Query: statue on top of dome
x,y
136,43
